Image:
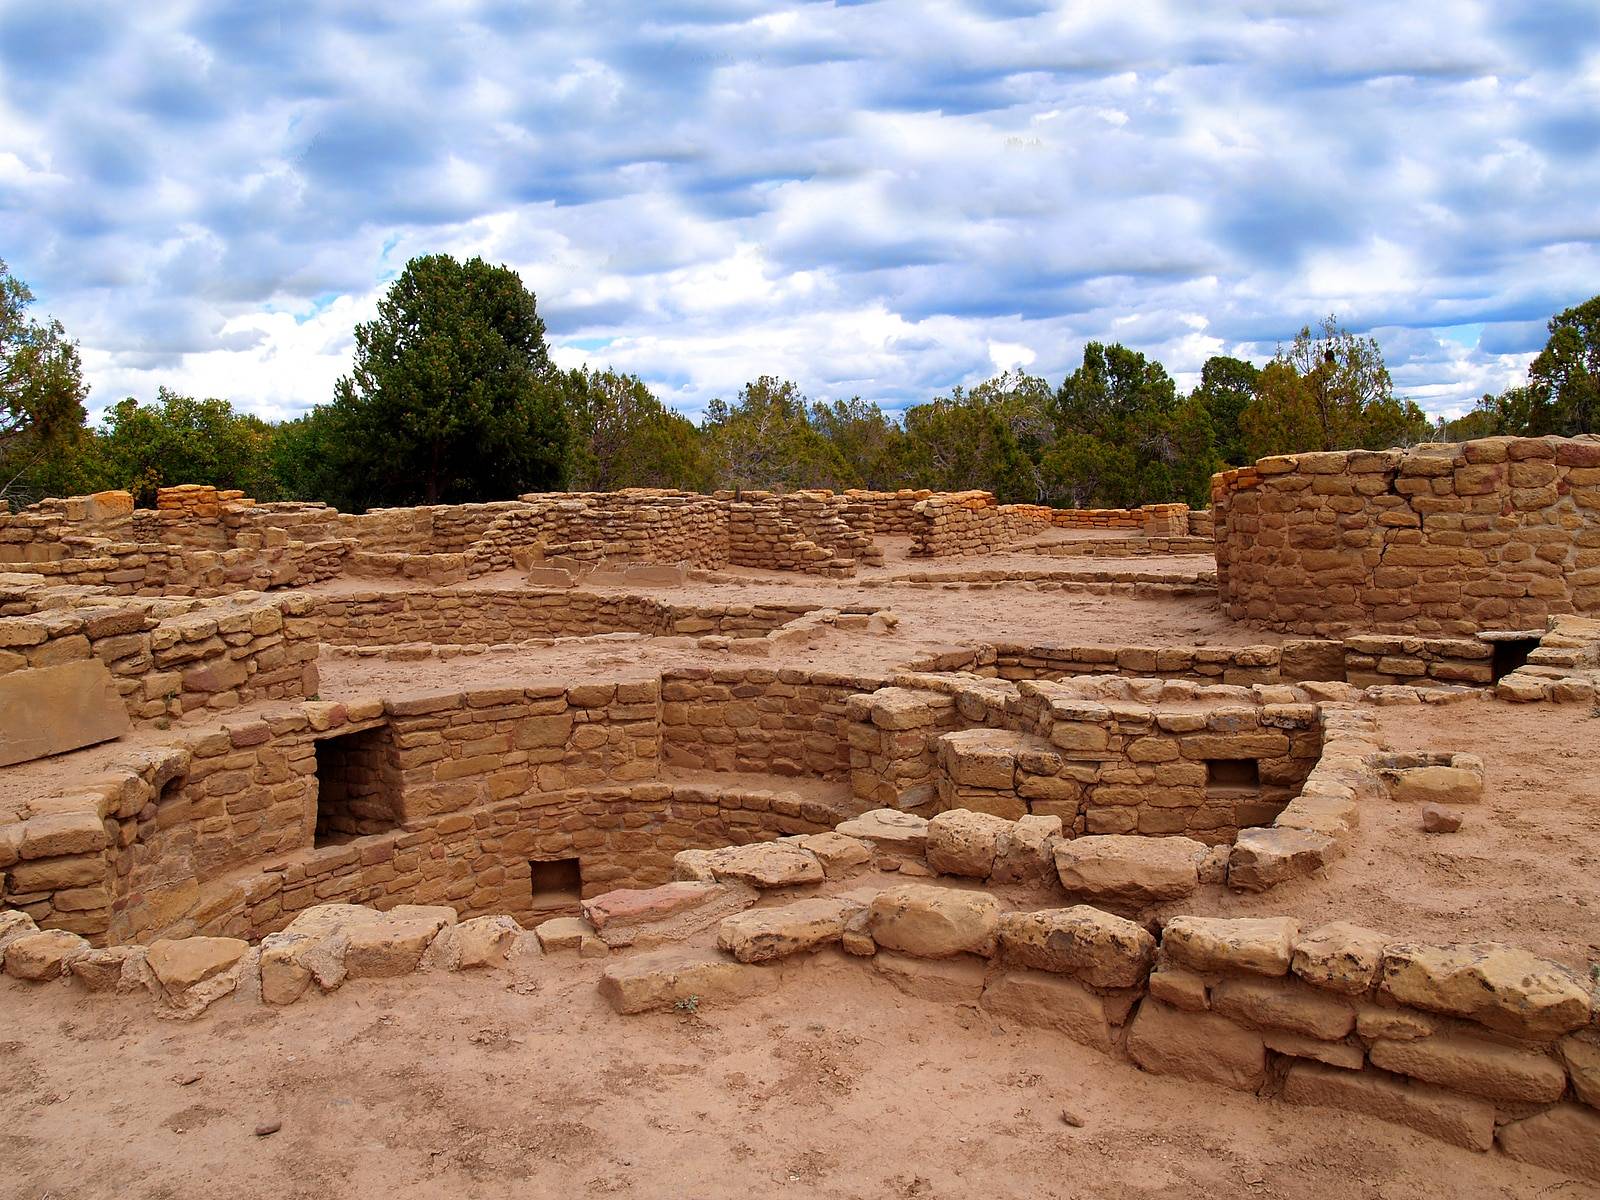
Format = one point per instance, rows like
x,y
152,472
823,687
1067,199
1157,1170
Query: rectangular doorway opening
x,y
1233,775
358,786
557,886
1510,654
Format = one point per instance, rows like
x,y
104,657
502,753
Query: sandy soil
x,y
477,1086
1522,868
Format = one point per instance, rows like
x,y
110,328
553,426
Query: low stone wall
x,y
1226,760
169,657
1435,540
759,719
962,523
466,616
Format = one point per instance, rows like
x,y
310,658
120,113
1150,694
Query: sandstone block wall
x,y
963,523
780,722
467,616
1438,539
170,657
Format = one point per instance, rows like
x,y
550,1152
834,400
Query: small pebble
x,y
268,1128
1068,1117
186,1078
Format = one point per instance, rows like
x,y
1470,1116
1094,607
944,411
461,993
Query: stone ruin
x,y
1012,826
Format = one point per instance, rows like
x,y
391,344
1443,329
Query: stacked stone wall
x,y
1435,540
167,657
780,722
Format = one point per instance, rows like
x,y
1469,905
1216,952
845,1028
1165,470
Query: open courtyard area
x,y
851,844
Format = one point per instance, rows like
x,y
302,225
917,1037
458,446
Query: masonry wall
x,y
1439,539
780,722
458,617
170,657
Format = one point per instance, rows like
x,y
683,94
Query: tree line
x,y
453,398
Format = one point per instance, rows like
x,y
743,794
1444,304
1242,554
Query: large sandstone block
x,y
1339,956
965,843
934,922
892,832
1565,1139
1264,857
1197,1045
1130,871
839,855
393,946
1459,1120
1100,948
766,865
1050,1002
1499,986
664,978
763,934
671,912
1025,851
1438,785
46,955
1259,945
484,942
1281,1004
50,710
1466,1064
942,981
179,964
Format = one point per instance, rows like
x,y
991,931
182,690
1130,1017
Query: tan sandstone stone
x,y
664,978
763,934
1339,956
1260,945
1199,1046
1098,947
1565,1139
927,921
1129,871
965,843
1459,1120
1507,989
46,955
1046,1001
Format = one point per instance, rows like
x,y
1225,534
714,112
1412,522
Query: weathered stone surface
x,y
1339,956
50,834
1050,1002
767,865
1201,1046
965,843
1581,1053
482,942
839,855
1459,1120
1179,988
934,922
562,933
1098,947
110,968
890,831
1438,785
1466,1064
1266,856
1024,852
179,964
14,924
1565,1138
50,710
1440,818
1261,945
1297,1045
663,978
393,946
46,955
1500,986
1129,871
1398,1024
1283,1004
632,906
763,934
942,981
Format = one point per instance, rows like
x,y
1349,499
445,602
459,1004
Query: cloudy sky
x,y
883,199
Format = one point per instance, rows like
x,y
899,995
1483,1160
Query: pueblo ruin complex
x,y
656,843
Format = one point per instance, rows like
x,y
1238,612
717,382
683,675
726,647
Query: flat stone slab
x,y
51,710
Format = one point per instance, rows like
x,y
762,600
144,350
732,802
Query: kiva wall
x,y
1496,533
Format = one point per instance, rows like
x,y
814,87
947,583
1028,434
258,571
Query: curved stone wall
x,y
1440,538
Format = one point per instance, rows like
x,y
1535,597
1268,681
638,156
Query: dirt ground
x,y
478,1086
1522,868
